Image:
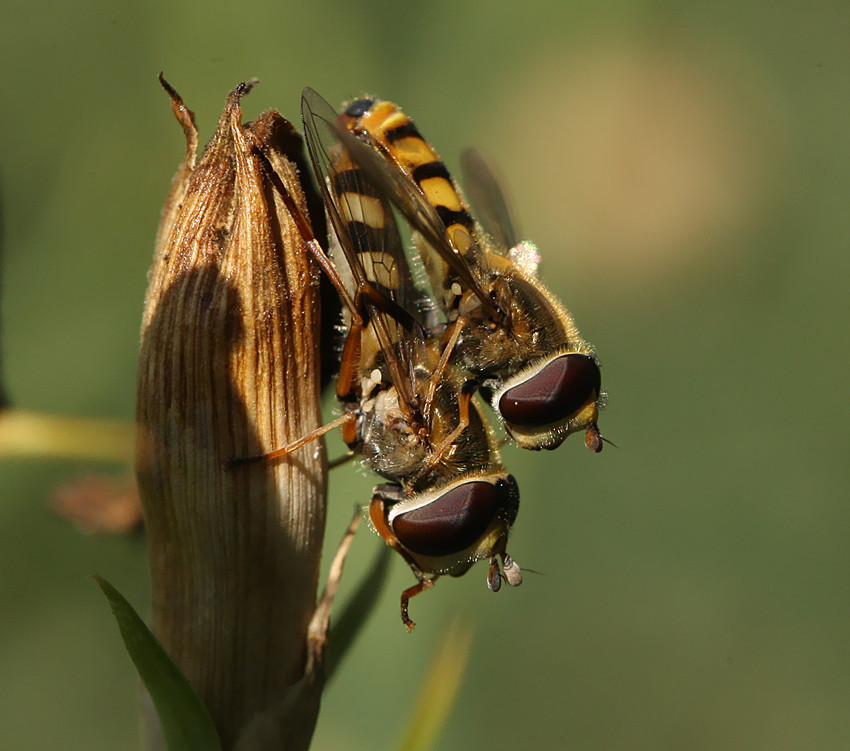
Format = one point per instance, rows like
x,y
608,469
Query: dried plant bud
x,y
228,369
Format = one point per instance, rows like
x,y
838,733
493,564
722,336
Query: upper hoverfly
x,y
409,408
517,340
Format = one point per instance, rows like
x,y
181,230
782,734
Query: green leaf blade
x,y
186,723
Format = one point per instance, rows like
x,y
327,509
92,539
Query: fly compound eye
x,y
553,393
457,517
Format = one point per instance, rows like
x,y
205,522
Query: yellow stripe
x,y
394,119
460,238
412,152
367,210
380,268
440,192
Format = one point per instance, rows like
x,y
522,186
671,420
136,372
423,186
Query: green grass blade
x,y
353,617
439,689
186,724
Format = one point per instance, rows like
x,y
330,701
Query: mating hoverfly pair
x,y
413,361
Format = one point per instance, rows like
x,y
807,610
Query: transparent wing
x,y
487,199
415,208
368,235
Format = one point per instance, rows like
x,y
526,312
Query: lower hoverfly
x,y
408,410
515,337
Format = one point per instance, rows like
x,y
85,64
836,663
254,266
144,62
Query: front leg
x,y
384,496
424,583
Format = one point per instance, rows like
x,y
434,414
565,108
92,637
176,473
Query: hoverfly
x,y
516,339
408,409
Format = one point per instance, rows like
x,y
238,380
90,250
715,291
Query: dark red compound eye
x,y
458,518
555,392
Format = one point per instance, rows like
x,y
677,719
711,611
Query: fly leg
x,y
464,398
424,584
437,375
342,421
384,496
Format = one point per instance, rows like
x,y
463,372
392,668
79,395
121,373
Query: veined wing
x,y
399,187
365,228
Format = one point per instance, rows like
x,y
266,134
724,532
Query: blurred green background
x,y
685,169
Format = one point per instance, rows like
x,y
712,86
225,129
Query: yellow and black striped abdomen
x,y
372,245
394,134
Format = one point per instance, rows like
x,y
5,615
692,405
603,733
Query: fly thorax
x,y
485,347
